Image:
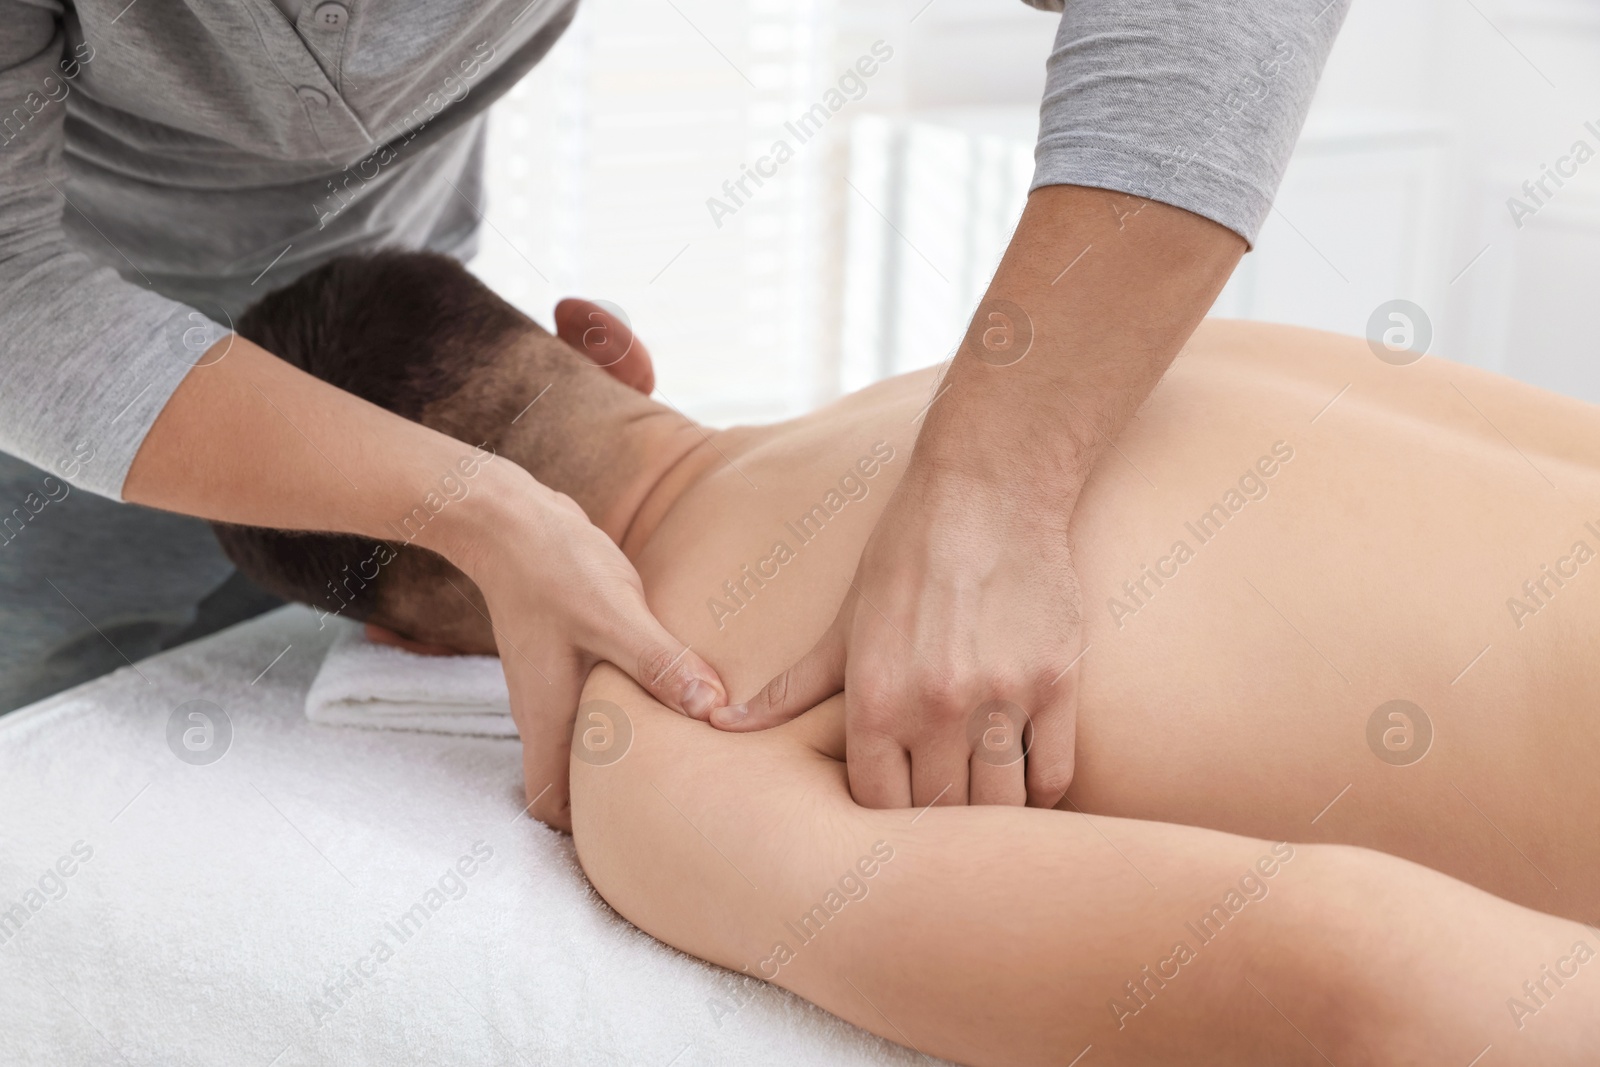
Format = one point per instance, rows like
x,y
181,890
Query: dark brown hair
x,y
406,331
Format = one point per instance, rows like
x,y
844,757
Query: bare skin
x,y
1229,710
1377,567
1095,295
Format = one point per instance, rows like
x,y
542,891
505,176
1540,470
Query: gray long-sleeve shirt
x,y
156,158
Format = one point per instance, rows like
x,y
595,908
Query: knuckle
x,y
943,671
950,712
992,683
1049,676
932,689
1058,668
951,706
1053,781
775,694
875,728
871,703
656,664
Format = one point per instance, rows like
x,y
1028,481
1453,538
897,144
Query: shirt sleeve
x,y
87,360
1194,104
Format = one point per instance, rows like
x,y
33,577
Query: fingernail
x,y
731,714
699,698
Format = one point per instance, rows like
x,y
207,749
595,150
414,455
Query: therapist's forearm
x,y
1110,287
250,439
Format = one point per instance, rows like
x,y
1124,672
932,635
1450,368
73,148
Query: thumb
x,y
666,667
817,676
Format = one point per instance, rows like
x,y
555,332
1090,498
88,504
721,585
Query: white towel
x,y
381,687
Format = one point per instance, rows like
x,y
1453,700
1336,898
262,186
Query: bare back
x,y
1290,536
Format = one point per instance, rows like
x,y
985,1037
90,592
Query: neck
x,y
652,454
677,453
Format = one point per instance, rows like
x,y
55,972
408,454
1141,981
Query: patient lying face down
x,y
1223,512
1289,537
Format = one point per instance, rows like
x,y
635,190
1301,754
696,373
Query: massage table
x,y
324,895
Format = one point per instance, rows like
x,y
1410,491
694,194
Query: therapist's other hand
x,y
965,605
952,648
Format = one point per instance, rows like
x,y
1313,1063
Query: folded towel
x,y
381,687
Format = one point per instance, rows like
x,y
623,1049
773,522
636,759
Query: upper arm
x,y
1193,105
88,359
689,831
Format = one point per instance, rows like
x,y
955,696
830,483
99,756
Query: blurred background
x,y
866,249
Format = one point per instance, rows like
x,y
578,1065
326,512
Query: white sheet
x,y
218,903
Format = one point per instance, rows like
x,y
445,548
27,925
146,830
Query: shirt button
x,y
330,16
312,96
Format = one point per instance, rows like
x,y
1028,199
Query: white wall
x,y
1431,114
602,161
1506,88
601,165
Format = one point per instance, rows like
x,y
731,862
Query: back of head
x,y
417,334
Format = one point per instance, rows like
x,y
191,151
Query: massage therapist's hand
x,y
247,438
954,641
961,632
562,597
544,688
956,634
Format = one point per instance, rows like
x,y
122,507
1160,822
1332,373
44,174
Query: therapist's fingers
x,y
879,768
670,670
818,675
998,734
939,770
988,783
606,341
543,704
1052,746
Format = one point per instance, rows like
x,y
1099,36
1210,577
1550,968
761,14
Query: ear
x,y
382,635
607,342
